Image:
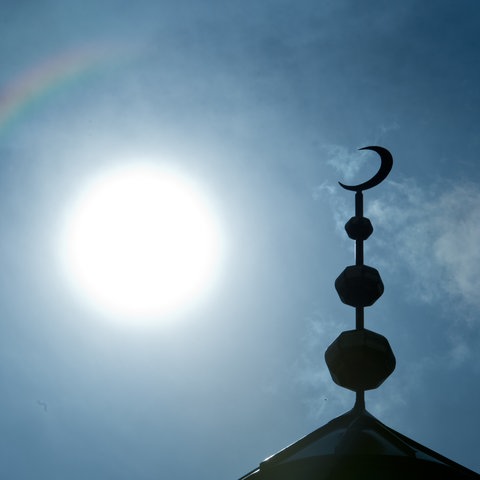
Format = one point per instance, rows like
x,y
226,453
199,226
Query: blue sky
x,y
264,104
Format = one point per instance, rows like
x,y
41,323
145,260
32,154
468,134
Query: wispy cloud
x,y
431,243
340,209
434,233
431,234
346,161
323,398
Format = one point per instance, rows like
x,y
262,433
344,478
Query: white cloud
x,y
345,160
428,238
460,352
340,209
434,233
323,398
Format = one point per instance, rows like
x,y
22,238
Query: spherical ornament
x,y
359,228
360,360
359,286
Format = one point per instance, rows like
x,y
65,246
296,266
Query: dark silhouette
x,y
357,446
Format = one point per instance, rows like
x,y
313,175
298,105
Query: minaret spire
x,y
361,359
355,445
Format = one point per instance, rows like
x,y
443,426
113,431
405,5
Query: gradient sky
x,y
265,104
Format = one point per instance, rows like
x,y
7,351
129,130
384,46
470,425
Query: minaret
x,y
356,445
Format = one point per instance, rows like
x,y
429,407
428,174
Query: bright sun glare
x,y
141,241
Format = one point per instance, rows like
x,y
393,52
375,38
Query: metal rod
x,y
359,257
359,318
359,252
359,400
359,214
359,204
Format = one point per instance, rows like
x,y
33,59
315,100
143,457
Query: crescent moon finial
x,y
385,167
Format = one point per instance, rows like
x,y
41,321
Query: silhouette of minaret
x,y
356,445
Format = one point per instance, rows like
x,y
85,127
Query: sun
x,y
140,242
